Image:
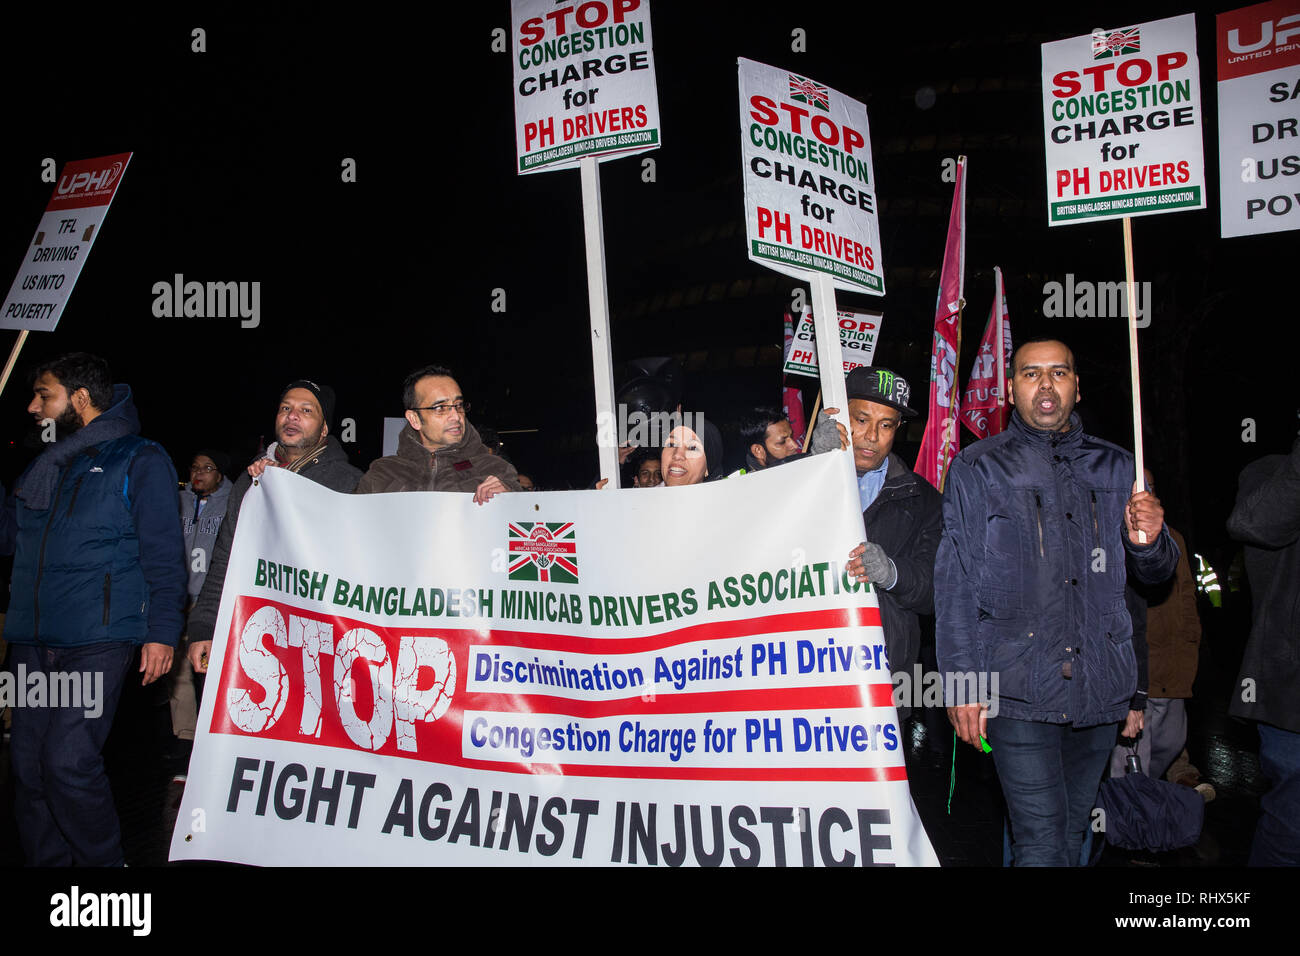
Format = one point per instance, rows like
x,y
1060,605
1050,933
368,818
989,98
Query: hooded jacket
x,y
104,561
458,467
1267,518
329,467
1030,574
202,534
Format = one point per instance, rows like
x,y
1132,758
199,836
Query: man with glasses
x,y
303,444
439,450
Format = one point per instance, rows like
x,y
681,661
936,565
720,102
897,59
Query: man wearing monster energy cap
x,y
302,444
902,514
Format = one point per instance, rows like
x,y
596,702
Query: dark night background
x,y
236,177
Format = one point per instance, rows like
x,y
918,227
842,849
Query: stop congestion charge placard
x,y
810,189
509,684
584,81
1122,120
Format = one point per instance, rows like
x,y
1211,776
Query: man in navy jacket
x,y
1039,523
99,571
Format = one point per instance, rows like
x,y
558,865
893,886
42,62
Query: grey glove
x,y
826,437
880,570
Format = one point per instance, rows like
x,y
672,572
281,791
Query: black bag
x,y
1146,814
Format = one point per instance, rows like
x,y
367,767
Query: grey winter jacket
x,y
201,535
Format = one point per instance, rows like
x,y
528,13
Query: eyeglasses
x,y
443,409
205,469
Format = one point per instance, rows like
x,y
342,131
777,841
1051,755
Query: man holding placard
x,y
1038,525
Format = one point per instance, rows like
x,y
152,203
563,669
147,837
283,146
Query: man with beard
x,y
99,570
303,444
1038,525
439,450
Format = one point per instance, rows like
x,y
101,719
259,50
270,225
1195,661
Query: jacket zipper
x,y
108,585
76,490
1042,553
40,561
1096,530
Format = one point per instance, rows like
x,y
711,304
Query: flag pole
x,y
812,422
602,362
1002,346
1138,482
950,430
13,359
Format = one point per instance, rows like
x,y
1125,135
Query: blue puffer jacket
x,y
1029,578
105,562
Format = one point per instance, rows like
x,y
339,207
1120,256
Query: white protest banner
x,y
416,679
1122,119
859,332
63,239
1259,112
584,81
810,189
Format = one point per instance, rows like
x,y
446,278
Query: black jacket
x,y
1267,519
329,467
906,520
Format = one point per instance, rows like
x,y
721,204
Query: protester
x,y
303,444
901,514
646,470
202,506
767,437
1029,578
88,588
692,455
439,450
526,482
770,442
1267,518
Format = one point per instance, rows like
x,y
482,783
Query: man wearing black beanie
x,y
302,444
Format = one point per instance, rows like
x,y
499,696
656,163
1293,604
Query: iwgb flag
x,y
940,443
984,408
384,689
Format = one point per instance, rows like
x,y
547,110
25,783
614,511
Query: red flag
x,y
984,408
792,398
942,436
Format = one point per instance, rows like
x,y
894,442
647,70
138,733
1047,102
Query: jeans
x,y
1049,775
1277,835
62,800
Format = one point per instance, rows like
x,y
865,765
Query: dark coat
x,y
1267,518
329,467
905,520
105,561
1031,571
458,467
1173,630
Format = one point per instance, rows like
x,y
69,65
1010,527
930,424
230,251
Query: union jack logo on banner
x,y
806,91
543,551
1115,43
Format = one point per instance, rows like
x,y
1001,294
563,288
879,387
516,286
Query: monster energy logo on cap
x,y
880,385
